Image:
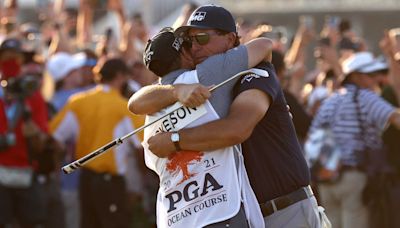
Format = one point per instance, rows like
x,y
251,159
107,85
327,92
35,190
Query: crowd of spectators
x,y
49,66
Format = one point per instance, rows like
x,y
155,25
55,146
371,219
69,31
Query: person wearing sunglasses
x,y
277,170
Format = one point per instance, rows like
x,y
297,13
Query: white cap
x,y
61,64
363,62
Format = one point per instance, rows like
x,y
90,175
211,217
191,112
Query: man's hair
x,y
278,61
237,37
111,68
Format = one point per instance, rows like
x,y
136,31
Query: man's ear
x,y
231,40
186,56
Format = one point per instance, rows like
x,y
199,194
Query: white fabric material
x,y
125,157
67,129
198,188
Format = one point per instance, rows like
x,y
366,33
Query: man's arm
x,y
153,98
248,108
395,119
258,50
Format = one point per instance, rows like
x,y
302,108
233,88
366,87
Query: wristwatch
x,y
175,140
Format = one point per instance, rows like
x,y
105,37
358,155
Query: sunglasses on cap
x,y
202,38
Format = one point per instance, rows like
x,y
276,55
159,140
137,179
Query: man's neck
x,y
170,77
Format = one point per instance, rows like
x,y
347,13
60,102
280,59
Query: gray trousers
x,y
304,213
342,200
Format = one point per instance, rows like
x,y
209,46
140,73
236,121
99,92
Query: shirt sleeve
x,y
64,125
66,129
379,109
325,112
268,84
217,68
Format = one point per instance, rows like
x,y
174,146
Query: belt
x,y
285,201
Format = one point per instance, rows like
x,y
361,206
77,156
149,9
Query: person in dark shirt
x,y
301,119
277,170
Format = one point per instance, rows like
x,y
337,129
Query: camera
x,y
21,87
6,140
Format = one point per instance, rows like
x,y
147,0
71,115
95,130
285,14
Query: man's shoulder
x,y
78,97
83,96
367,93
172,76
262,77
187,77
370,98
237,52
219,67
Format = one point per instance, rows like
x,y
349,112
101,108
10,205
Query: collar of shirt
x,y
170,77
107,89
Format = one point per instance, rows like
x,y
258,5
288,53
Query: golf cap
x,y
162,51
209,17
11,44
363,62
61,64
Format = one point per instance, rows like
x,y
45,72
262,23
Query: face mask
x,y
10,68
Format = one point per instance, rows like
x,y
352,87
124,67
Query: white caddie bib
x,y
197,188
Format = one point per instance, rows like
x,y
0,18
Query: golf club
x,y
69,168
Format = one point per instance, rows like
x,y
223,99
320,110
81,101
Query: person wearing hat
x,y
296,165
23,129
65,69
357,117
11,58
91,119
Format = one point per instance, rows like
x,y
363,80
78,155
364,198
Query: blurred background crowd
x,y
51,50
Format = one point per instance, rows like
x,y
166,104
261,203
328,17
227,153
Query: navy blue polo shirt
x,y
273,156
